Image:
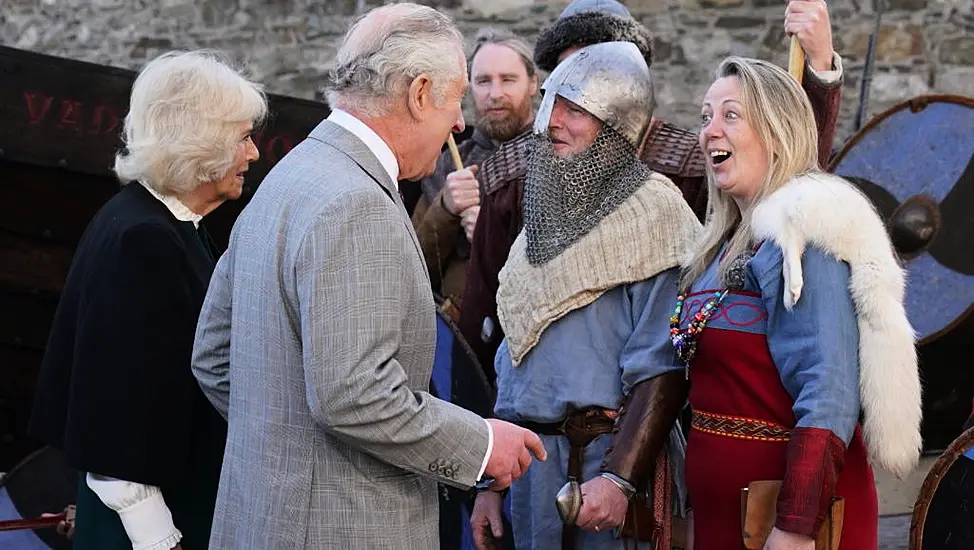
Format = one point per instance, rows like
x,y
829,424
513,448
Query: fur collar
x,y
587,28
826,211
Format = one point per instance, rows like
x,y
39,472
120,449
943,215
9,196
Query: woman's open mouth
x,y
718,156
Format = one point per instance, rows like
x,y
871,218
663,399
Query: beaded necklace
x,y
685,340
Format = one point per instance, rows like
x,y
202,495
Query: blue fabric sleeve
x,y
648,352
815,345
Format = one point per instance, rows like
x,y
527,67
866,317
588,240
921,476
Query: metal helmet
x,y
609,80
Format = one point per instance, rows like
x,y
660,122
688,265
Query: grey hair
x,y
386,49
181,127
490,35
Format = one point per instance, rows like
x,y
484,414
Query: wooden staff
x,y
36,523
456,153
796,59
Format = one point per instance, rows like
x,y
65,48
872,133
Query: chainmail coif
x,y
564,198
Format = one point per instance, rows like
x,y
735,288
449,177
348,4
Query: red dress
x,y
743,431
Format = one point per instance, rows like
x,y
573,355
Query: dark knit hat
x,y
587,22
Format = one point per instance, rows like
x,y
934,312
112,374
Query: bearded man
x,y
584,301
666,148
503,82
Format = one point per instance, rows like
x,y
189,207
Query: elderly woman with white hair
x,y
116,392
792,327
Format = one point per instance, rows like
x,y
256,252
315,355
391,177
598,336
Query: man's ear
x,y
419,98
534,84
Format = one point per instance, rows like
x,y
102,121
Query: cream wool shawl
x,y
647,234
827,212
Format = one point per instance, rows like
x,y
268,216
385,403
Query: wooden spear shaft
x,y
796,59
452,144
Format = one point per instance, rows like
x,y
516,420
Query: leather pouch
x,y
759,502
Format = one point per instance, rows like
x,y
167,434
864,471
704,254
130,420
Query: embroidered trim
x,y
739,427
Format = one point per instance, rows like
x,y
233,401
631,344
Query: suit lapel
x,y
341,139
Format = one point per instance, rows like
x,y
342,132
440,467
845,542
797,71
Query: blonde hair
x,y
777,109
385,50
182,124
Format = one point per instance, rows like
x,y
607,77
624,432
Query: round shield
x,y
945,506
458,378
41,483
916,163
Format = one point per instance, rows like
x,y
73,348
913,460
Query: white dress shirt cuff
x,y
142,510
829,77
490,448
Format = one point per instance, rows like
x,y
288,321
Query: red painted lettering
x,y
70,114
277,147
36,112
103,121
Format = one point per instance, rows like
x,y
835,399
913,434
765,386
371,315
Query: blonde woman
x,y
115,391
791,324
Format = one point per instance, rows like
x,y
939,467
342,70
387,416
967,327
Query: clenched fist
x,y
604,505
461,190
809,21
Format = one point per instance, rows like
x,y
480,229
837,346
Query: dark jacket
x,y
445,246
115,390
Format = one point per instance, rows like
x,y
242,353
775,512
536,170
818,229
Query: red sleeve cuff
x,y
813,463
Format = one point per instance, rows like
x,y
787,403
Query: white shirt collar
x,y
179,210
371,140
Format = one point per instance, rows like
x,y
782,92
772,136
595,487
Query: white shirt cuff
x,y
490,448
832,76
142,509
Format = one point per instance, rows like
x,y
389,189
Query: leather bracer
x,y
643,425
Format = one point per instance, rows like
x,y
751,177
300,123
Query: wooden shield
x,y
943,516
916,163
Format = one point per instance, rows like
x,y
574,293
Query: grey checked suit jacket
x,y
316,341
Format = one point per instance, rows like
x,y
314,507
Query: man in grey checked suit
x,y
317,334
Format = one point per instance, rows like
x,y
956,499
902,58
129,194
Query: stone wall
x,y
924,46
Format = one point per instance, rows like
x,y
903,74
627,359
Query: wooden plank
x,y
20,367
26,318
33,265
50,204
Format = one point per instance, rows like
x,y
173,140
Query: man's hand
x,y
461,190
603,505
468,219
783,540
809,20
511,455
486,521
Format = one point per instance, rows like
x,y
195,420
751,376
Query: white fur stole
x,y
828,212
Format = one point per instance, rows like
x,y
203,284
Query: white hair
x,y
386,49
182,126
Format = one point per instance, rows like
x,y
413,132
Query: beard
x,y
507,125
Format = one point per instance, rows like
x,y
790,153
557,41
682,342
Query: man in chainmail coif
x,y
584,302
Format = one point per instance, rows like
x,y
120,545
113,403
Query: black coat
x,y
116,392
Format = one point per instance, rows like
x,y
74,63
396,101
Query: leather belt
x,y
739,427
580,428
